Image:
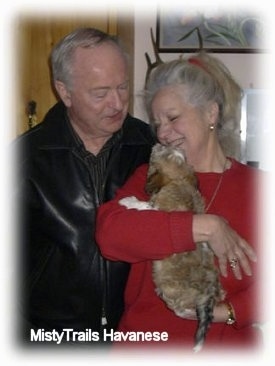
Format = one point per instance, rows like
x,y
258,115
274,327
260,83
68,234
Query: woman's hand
x,y
220,313
226,244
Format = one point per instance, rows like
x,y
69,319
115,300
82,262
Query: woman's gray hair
x,y
63,52
205,79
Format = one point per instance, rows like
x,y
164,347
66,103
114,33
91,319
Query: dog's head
x,y
167,164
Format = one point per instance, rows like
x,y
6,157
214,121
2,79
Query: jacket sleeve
x,y
132,236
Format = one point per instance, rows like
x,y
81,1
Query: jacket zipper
x,y
104,320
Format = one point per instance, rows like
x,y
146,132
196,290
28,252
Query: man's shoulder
x,y
51,128
131,119
135,129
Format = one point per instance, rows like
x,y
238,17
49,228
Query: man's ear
x,y
63,92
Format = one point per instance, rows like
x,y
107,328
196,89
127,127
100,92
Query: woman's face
x,y
179,123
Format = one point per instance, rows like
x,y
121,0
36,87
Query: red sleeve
x,y
245,313
248,302
132,236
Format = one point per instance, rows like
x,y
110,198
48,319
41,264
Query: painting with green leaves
x,y
192,30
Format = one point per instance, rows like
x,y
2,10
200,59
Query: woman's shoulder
x,y
243,172
245,168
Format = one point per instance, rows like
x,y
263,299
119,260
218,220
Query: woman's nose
x,y
163,132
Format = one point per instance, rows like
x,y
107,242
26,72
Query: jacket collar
x,y
59,133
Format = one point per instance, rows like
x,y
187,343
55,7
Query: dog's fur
x,y
187,280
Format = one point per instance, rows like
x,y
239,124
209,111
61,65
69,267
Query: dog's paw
x,y
186,313
133,202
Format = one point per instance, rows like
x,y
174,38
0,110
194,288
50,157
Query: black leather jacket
x,y
66,282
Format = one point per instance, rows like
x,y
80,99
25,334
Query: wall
x,y
248,69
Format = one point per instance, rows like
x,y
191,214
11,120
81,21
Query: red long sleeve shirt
x,y
138,237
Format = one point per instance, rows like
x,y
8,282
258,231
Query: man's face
x,y
98,98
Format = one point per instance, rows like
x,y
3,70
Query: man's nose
x,y
115,99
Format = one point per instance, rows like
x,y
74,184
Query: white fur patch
x,y
198,347
179,154
185,313
133,202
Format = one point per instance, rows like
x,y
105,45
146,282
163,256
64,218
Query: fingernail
x,y
254,257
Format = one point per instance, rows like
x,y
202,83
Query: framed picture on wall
x,y
190,31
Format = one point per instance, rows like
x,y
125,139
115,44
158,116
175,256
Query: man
x,y
86,147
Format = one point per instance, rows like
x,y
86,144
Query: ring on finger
x,y
233,262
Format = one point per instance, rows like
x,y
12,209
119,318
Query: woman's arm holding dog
x,y
225,243
131,235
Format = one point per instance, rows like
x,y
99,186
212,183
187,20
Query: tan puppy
x,y
187,280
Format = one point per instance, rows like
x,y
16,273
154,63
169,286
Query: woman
x,y
194,105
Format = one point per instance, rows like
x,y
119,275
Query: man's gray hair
x,y
62,53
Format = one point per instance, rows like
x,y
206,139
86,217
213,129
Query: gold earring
x,y
212,127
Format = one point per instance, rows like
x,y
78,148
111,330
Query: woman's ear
x,y
63,92
212,113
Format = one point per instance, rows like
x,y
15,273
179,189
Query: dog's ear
x,y
154,183
192,179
